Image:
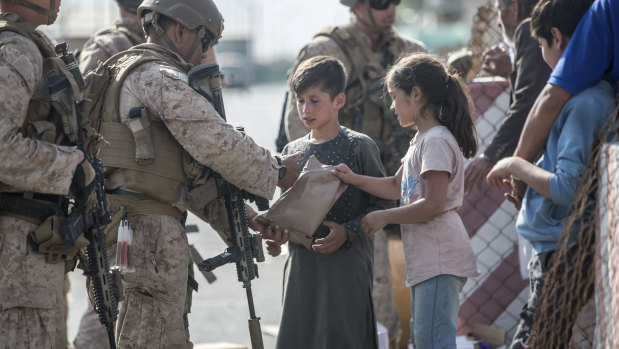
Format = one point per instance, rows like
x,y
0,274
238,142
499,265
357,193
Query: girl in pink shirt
x,y
430,186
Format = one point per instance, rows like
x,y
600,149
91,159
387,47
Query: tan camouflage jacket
x,y
192,120
27,164
124,34
323,45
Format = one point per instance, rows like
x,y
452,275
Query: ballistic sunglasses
x,y
383,4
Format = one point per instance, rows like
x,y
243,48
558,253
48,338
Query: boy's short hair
x,y
561,14
324,72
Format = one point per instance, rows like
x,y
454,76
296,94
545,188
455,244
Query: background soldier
x,y
366,46
124,34
36,172
152,190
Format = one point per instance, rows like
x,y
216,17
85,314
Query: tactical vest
x,y
44,118
367,105
161,177
49,118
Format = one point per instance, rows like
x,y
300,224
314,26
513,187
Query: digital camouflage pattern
x,y
151,315
34,316
155,295
21,158
124,34
31,297
196,125
395,147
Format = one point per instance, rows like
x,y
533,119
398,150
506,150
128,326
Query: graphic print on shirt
x,y
408,185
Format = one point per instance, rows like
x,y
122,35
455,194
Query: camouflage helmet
x,y
51,13
190,13
375,4
129,5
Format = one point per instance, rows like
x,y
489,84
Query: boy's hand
x,y
274,248
499,172
345,174
372,222
332,242
517,193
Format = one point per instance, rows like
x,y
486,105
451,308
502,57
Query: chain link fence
x,y
583,279
496,297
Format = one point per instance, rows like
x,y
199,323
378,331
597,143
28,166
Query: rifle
x,y
81,219
282,139
244,246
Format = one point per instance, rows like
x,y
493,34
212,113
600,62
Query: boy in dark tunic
x,y
328,289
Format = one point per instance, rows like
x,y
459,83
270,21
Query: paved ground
x,y
219,311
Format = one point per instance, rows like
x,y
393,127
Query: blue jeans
x,y
434,312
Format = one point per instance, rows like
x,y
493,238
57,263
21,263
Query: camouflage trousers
x,y
151,315
382,293
31,292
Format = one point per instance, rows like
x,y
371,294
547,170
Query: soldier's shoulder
x,y
322,45
110,40
412,45
22,54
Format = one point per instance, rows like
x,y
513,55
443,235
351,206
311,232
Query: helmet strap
x,y
372,26
50,13
196,41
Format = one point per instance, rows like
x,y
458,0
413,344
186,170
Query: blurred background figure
x,y
125,33
461,63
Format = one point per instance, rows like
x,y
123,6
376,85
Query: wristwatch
x,y
282,167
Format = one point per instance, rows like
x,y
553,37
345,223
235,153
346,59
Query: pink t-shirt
x,y
440,245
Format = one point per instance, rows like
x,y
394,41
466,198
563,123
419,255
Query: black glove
x,y
83,183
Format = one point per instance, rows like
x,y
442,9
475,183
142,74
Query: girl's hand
x,y
332,242
499,172
274,248
345,174
372,222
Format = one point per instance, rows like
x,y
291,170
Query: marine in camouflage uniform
x,y
124,34
35,173
155,192
366,46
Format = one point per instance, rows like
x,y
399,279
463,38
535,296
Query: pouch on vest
x,y
42,130
48,240
139,124
61,97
